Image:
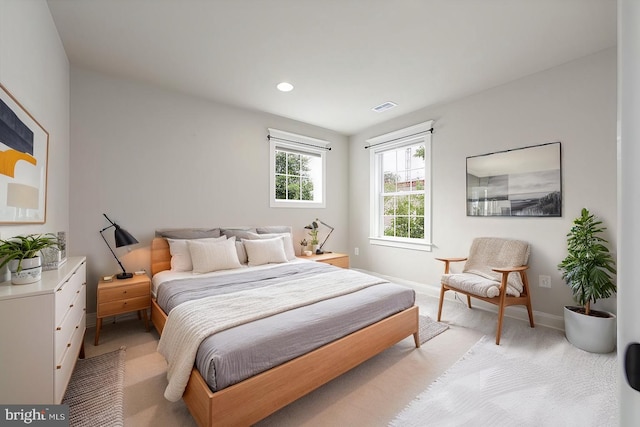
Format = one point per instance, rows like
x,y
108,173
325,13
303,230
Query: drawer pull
x,y
59,367
68,344
58,328
71,306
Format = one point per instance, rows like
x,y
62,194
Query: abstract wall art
x,y
24,148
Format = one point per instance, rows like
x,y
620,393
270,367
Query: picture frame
x,y
24,148
524,182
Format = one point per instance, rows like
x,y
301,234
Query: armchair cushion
x,y
476,285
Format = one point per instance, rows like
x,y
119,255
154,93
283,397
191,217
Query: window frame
x,y
413,135
303,145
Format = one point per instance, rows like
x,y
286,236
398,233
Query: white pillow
x,y
180,256
265,251
242,254
289,250
213,256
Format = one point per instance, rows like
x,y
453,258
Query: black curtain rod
x,y
396,139
269,138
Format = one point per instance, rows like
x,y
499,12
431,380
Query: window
x,y
401,188
297,170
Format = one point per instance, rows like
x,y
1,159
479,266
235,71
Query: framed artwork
x,y
520,182
24,150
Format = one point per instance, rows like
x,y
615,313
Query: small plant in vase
x,y
313,233
22,256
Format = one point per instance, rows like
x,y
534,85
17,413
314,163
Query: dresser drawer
x,y
62,336
116,293
123,306
64,366
68,291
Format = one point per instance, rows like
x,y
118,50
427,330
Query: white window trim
x,y
386,142
302,146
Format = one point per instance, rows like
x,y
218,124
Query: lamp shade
x,y
123,238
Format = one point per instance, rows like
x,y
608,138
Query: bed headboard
x,y
160,255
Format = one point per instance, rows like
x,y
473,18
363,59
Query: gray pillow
x,y
187,233
240,233
275,229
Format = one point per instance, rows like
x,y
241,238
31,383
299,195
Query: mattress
x,y
238,353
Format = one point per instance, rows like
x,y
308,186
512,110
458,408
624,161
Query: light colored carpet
x,y
371,394
540,382
429,328
95,391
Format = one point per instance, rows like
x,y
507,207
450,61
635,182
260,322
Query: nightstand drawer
x,y
333,258
342,262
124,306
124,292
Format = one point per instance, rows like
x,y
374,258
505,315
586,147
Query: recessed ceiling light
x,y
285,87
384,106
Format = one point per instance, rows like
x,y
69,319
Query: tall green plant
x,y
21,247
588,267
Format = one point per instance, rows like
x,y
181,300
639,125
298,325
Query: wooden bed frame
x,y
255,398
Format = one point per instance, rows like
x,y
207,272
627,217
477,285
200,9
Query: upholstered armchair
x,y
495,271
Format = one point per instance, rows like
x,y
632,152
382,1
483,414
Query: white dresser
x,y
42,328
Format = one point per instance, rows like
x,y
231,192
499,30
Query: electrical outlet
x,y
544,281
356,251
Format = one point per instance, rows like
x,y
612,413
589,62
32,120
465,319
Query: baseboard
x,y
515,312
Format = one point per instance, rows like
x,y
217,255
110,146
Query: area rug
x,y
546,382
95,391
429,328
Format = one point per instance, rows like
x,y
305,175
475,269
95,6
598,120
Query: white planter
x,y
590,333
31,271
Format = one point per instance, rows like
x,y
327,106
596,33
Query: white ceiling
x,y
343,56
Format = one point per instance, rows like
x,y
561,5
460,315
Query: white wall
x,y
574,103
151,158
628,201
35,69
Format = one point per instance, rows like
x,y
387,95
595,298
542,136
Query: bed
x,y
246,400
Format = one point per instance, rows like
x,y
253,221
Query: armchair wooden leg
x,y
501,305
442,291
499,331
525,282
468,301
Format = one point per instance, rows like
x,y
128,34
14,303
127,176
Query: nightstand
x,y
123,296
333,258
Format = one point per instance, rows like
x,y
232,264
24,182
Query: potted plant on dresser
x,y
22,256
588,270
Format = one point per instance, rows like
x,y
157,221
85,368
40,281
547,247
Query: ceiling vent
x,y
384,107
